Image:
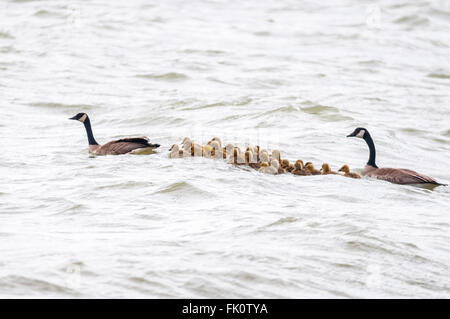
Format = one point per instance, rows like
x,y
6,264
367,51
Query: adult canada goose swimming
x,y
121,146
326,170
393,175
346,170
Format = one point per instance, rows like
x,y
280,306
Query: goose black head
x,y
79,117
359,132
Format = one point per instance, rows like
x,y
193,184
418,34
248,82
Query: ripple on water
x,y
33,284
438,76
326,113
124,185
81,107
236,102
5,35
412,20
181,187
281,221
168,77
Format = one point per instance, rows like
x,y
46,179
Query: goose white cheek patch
x,y
361,134
83,118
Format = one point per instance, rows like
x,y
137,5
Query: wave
x,y
170,77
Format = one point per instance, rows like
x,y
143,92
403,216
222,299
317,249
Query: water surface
x,y
294,75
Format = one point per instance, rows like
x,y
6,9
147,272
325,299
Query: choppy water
x,y
293,75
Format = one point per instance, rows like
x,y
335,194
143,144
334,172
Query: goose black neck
x,y
91,139
372,154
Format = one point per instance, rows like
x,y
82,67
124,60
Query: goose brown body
x,y
398,175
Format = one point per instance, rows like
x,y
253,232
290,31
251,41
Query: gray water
x,y
292,75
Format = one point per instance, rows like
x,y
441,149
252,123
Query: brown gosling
x,y
286,165
216,150
234,156
264,157
207,151
239,157
276,164
346,170
228,150
218,140
310,167
250,160
175,151
276,154
257,149
186,140
299,169
269,169
326,170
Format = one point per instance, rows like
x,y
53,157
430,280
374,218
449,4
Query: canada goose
x,y
310,167
299,169
346,170
175,151
121,146
326,170
393,175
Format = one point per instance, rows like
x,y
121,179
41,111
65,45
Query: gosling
x,y
269,169
326,170
310,167
346,170
299,169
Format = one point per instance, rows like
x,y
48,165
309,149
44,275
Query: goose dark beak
x,y
351,135
73,118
